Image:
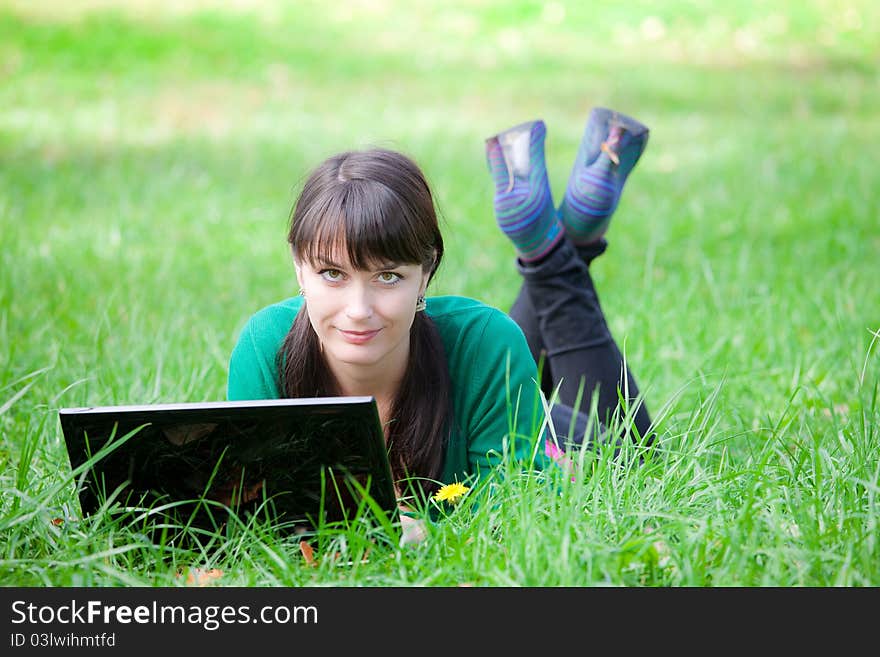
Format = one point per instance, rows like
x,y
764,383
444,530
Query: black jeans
x,y
558,310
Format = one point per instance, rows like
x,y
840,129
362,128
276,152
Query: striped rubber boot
x,y
611,146
523,202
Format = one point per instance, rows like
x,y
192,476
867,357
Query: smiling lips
x,y
358,337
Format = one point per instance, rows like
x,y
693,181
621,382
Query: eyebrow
x,y
326,262
381,266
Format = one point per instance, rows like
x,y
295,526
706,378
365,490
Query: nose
x,y
359,304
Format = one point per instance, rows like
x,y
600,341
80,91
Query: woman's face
x,y
362,317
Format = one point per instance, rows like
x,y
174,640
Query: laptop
x,y
188,468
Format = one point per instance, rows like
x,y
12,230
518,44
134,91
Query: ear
x,y
428,273
426,277
299,274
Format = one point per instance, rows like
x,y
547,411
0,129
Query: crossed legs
x,y
558,307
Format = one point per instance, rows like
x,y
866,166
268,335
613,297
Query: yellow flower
x,y
451,492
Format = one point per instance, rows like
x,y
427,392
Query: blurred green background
x,y
150,153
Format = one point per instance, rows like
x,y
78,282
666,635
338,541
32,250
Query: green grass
x,y
148,161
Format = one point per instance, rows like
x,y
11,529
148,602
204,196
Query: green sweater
x,y
477,339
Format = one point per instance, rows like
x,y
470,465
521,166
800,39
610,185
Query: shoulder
x,y
461,321
457,312
267,327
286,308
252,367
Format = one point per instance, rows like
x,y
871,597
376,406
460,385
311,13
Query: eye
x,y
389,277
332,275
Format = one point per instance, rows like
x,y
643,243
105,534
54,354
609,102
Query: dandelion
x,y
451,493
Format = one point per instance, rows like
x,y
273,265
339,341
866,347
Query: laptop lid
x,y
300,462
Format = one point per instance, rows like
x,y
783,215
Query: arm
x,y
252,368
506,410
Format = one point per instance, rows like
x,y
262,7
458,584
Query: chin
x,y
356,355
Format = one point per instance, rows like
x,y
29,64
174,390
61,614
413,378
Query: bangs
x,y
365,220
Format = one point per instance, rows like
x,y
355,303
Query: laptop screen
x,y
298,462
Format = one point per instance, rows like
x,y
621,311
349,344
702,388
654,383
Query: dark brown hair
x,y
378,204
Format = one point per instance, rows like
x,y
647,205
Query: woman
x,y
454,379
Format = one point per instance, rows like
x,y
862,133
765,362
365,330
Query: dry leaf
x,y
308,553
202,577
610,153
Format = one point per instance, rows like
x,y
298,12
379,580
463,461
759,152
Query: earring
x,y
302,292
420,303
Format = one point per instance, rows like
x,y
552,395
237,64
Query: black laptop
x,y
298,463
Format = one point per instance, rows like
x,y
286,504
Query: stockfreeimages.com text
x,y
211,617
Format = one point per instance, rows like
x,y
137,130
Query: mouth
x,y
358,337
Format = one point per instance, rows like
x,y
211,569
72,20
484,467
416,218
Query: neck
x,y
381,381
